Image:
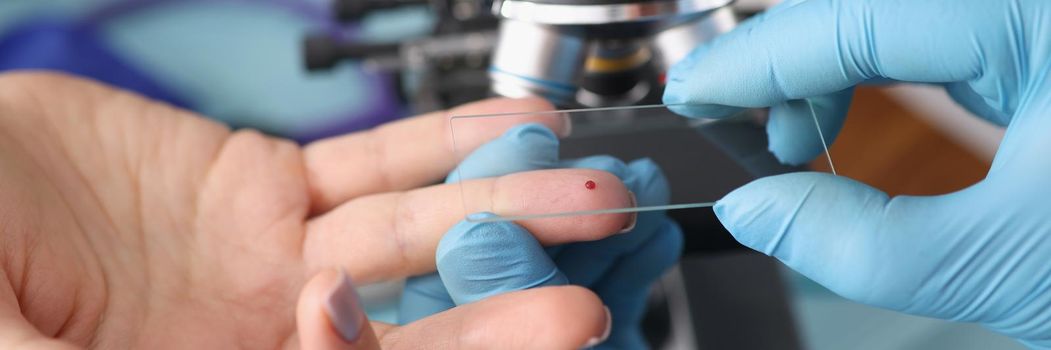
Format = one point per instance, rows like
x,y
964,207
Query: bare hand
x,y
131,224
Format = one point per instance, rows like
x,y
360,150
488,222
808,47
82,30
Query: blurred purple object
x,y
384,107
76,47
61,46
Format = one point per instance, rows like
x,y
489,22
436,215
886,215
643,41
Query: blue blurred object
x,y
978,255
236,61
830,322
73,48
478,260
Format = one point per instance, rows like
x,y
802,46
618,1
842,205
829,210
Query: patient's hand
x,y
127,223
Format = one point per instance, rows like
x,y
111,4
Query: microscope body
x,y
575,53
598,53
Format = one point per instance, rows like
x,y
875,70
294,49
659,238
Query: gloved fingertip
x,y
521,148
754,212
605,163
532,133
793,154
645,166
725,210
681,106
793,133
649,182
763,213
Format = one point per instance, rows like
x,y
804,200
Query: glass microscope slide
x,y
536,165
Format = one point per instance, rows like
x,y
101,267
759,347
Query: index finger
x,y
394,235
405,154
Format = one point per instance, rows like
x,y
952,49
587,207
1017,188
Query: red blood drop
x,y
589,185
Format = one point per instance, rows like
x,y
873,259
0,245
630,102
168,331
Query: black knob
x,y
320,52
352,10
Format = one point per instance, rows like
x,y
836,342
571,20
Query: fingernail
x,y
634,216
567,125
344,309
605,334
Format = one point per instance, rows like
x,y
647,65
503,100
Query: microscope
x,y
608,53
598,53
575,53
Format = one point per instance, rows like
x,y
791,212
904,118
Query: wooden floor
x,y
886,146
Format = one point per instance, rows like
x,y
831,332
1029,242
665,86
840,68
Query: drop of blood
x,y
589,185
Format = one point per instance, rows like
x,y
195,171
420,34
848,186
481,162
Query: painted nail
x,y
344,309
567,128
605,334
634,216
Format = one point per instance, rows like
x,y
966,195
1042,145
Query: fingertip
x,y
686,91
793,128
531,134
727,211
330,315
792,135
754,211
592,323
684,106
697,86
839,232
760,214
605,163
649,183
521,148
755,66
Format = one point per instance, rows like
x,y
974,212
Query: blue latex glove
x,y
478,260
979,255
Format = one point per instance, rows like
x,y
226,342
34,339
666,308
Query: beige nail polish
x,y
605,334
567,128
634,216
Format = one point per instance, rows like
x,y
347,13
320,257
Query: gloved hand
x,y
479,260
978,255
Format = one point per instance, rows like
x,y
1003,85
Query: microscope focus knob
x,y
352,10
320,52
